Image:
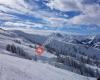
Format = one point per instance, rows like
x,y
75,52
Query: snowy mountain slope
x,y
91,41
30,37
62,45
26,42
87,40
75,48
13,68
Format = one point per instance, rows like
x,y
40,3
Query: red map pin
x,y
39,50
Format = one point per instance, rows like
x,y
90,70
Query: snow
x,y
13,68
23,69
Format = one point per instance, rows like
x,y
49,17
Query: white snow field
x,y
14,68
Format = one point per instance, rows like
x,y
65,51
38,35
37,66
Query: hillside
x,y
17,49
13,68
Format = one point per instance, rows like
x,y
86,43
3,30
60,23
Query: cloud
x,y
18,5
19,24
63,5
48,13
9,8
4,16
90,12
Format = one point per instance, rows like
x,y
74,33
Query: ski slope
x,y
14,68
